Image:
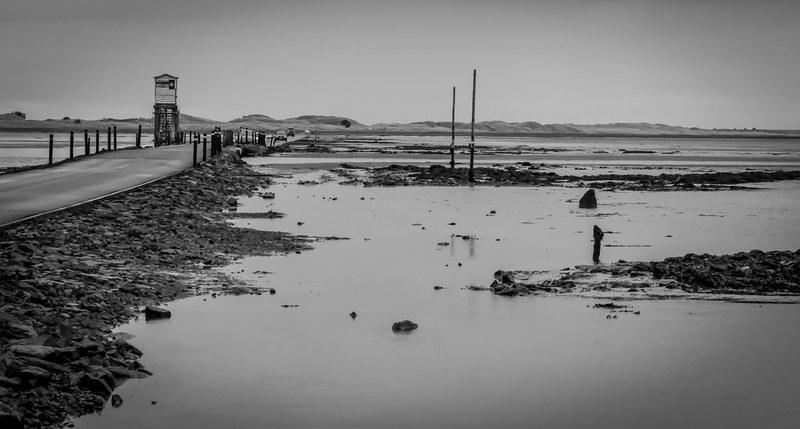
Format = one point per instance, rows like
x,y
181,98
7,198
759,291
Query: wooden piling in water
x,y
115,137
598,237
471,175
86,148
108,138
96,141
71,144
139,136
204,148
453,133
50,152
194,154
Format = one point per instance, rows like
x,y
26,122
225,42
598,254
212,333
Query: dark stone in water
x,y
588,200
116,401
152,313
609,305
404,326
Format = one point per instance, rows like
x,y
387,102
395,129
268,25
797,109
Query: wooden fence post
x,y
86,148
71,144
204,150
50,151
194,154
96,141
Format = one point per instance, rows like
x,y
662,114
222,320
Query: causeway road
x,y
34,192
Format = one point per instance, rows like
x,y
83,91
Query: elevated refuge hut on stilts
x,y
166,117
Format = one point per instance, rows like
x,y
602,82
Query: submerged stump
x,y
598,237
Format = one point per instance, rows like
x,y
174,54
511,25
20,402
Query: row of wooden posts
x,y
187,137
229,137
111,141
194,138
470,174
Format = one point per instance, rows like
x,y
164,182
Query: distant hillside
x,y
250,118
13,116
15,121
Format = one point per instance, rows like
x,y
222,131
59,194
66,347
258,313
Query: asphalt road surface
x,y
34,192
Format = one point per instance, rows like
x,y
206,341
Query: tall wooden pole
x,y
96,141
471,176
71,144
453,133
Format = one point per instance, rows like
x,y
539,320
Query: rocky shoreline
x,y
744,274
527,174
70,277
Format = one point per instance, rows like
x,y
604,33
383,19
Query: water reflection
x,y
477,360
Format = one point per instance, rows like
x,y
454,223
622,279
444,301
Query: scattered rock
x,y
100,382
42,352
19,330
404,326
9,418
353,315
153,313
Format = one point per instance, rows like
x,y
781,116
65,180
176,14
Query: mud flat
x,y
754,276
70,277
527,174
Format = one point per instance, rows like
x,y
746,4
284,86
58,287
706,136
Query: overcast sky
x,y
707,63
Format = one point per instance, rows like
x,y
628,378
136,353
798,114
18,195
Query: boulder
x,y
100,382
42,352
588,200
404,326
9,418
9,382
34,376
152,313
19,330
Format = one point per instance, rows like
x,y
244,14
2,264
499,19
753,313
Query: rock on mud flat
x,y
404,326
152,313
588,200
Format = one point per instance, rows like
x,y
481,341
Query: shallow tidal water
x,y
477,360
